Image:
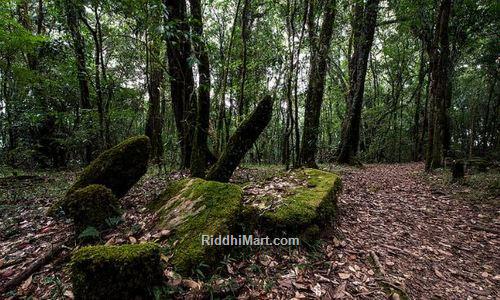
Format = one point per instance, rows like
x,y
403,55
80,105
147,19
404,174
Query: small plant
x,y
89,234
114,221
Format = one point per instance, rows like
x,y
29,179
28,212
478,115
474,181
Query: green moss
x,y
196,207
314,204
91,206
116,272
118,168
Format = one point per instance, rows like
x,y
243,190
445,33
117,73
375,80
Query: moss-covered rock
x,y
314,204
192,208
116,272
118,168
91,206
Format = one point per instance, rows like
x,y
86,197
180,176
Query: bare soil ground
x,y
398,232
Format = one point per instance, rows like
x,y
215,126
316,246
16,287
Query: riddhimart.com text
x,y
247,240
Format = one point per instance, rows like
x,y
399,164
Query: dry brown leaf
x,y
27,283
69,294
191,284
339,291
344,275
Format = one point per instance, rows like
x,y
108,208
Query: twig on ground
x,y
37,264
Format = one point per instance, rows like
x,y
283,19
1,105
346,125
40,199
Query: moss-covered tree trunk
x,y
241,141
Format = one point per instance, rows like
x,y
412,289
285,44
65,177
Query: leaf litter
x,y
427,242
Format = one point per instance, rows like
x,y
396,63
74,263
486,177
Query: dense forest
x,y
389,81
162,121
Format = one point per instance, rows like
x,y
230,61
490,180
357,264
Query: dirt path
x,y
428,243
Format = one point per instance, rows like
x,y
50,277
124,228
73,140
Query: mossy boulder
x,y
92,206
116,272
306,207
192,208
118,168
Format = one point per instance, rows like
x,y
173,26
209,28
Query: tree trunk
x,y
154,123
316,86
440,95
201,155
181,78
241,141
365,20
246,22
417,155
73,20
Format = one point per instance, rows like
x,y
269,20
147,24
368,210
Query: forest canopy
x,y
351,81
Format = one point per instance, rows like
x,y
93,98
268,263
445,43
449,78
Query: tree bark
x,y
181,78
154,123
417,147
440,96
365,20
316,85
73,12
201,155
241,141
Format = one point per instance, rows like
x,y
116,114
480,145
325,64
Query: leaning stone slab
x,y
118,169
116,272
192,208
306,208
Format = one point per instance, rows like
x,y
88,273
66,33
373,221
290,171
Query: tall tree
x,y
201,155
440,90
181,76
73,11
154,76
363,31
319,49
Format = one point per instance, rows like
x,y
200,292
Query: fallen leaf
x,y
132,240
339,291
318,291
344,275
191,284
26,284
69,294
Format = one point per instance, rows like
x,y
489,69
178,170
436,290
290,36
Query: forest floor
x,y
399,230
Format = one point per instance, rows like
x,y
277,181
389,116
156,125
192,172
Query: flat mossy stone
x,y
92,206
194,207
315,203
116,272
